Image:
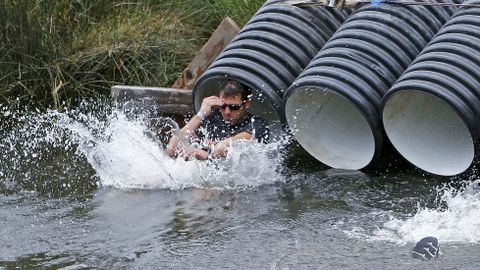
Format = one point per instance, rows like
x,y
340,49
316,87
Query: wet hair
x,y
233,88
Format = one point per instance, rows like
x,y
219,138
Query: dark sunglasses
x,y
233,107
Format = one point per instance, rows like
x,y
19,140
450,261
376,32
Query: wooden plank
x,y
220,38
167,100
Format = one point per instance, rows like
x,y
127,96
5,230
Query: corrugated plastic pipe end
x,y
347,141
263,105
428,132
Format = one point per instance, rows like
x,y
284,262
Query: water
x,y
92,189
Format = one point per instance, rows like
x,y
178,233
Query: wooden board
x,y
220,38
168,100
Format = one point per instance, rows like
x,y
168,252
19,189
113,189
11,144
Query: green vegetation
x,y
54,52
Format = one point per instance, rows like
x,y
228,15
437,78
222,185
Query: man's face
x,y
234,116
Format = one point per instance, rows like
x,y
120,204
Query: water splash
x,y
124,149
454,219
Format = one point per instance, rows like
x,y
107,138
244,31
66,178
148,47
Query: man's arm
x,y
221,148
192,126
197,153
186,132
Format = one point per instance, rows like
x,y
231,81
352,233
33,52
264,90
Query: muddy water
x,y
92,189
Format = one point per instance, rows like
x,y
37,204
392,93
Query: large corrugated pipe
x,y
269,53
432,114
333,107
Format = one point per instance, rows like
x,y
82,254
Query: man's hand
x,y
189,130
197,153
209,103
220,149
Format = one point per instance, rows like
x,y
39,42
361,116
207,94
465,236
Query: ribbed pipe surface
x,y
333,107
432,114
269,53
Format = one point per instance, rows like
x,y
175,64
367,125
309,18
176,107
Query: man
x,y
219,122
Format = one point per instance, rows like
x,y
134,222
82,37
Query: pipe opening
x,y
262,106
330,128
428,132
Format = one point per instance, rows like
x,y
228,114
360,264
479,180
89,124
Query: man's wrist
x,y
201,115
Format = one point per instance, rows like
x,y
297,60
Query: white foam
x,y
125,157
123,149
455,219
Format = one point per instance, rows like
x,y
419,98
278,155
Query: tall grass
x,y
54,52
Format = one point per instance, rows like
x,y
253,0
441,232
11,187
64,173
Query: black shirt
x,y
216,129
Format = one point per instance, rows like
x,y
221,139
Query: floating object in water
x,y
426,249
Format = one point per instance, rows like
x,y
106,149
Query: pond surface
x,y
83,190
